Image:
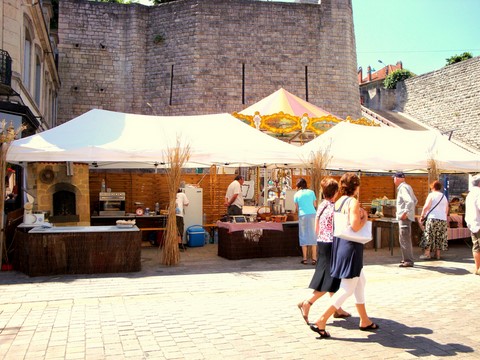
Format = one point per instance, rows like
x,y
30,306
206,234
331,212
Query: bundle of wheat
x,y
176,157
433,171
318,163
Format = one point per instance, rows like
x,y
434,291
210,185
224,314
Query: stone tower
x,y
205,56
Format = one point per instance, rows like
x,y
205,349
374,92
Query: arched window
x,y
27,56
38,79
53,121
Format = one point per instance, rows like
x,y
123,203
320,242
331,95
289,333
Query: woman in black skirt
x,y
321,281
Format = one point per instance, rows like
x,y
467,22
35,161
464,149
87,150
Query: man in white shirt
x,y
406,202
181,202
234,197
472,218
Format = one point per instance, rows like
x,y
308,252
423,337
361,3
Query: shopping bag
x,y
343,230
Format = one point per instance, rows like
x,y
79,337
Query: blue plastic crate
x,y
195,236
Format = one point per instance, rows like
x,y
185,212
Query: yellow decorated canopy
x,y
283,113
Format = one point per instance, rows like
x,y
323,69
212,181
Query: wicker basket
x,y
263,213
279,218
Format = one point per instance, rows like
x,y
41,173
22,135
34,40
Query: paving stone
x,y
212,308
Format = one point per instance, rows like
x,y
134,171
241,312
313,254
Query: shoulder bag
x,y
343,230
424,219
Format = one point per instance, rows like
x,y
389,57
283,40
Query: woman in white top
x,y
435,210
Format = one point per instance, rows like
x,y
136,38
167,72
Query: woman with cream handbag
x,y
347,259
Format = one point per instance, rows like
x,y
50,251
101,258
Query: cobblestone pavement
x,y
212,308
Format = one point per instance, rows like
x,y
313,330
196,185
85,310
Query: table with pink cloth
x,y
257,240
268,225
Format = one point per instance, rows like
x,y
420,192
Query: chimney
x,y
360,75
400,65
369,71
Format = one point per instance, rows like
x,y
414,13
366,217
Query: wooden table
x,y
385,231
148,224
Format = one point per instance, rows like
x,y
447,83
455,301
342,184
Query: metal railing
x,y
5,68
374,116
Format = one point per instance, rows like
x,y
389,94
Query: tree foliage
x,y
457,58
391,80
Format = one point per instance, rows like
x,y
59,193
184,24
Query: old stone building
x,y
205,56
446,99
29,81
372,91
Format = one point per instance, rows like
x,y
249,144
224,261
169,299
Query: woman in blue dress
x,y
347,259
305,204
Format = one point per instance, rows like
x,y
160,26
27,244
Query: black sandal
x,y
370,327
314,262
322,332
304,262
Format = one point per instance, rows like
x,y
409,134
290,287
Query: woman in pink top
x,y
321,281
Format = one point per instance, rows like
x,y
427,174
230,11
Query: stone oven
x,y
64,204
62,190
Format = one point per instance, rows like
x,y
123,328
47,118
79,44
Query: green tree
x,y
457,58
391,80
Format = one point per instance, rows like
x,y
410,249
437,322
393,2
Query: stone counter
x,y
77,250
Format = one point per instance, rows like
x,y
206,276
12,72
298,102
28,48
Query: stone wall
x,y
446,99
205,56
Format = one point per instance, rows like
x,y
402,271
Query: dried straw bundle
x,y
433,171
176,157
318,163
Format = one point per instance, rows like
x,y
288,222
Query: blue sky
x,y
420,33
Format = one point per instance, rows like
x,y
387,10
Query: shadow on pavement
x,y
447,270
204,260
393,334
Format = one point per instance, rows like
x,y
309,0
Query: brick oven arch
x,y
64,202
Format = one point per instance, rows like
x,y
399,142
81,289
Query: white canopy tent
x,y
110,139
380,149
118,140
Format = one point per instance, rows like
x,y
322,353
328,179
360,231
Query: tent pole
x,y
4,149
265,186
